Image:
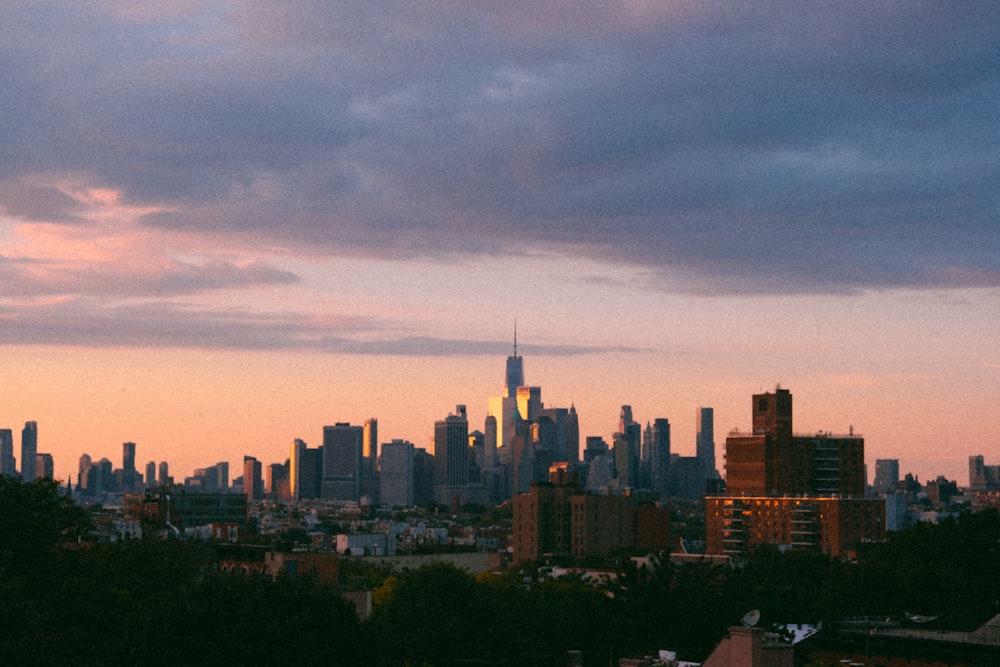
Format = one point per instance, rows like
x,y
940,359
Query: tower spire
x,y
515,337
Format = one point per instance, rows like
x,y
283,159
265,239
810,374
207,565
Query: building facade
x,y
559,520
793,491
343,448
396,474
29,450
451,457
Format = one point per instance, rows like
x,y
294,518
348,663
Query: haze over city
x,y
225,225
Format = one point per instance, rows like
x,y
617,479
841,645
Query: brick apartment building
x,y
557,519
795,491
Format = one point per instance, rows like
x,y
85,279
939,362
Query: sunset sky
x,y
226,224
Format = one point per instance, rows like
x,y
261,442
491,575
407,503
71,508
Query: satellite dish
x,y
751,618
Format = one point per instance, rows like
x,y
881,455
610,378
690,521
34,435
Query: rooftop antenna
x,y
515,337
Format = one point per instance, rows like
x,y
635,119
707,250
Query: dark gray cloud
x,y
727,147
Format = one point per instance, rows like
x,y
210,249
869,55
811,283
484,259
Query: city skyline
x,y
225,226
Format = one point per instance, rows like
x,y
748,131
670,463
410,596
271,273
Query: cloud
x,y
93,322
100,250
726,149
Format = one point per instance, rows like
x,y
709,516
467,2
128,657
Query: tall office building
x,y
705,441
514,376
44,466
489,461
129,478
253,479
276,484
505,408
660,446
396,474
222,468
29,450
164,476
295,469
150,474
886,475
343,446
82,472
369,460
451,456
572,435
627,450
8,464
128,456
566,439
529,403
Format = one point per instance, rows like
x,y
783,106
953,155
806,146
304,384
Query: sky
x,y
226,224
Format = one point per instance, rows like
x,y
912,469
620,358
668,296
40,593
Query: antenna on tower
x,y
515,337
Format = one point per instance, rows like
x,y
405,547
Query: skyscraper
x,y
886,475
150,474
222,468
504,408
295,469
164,476
661,456
129,481
705,441
396,475
451,456
627,449
29,450
369,460
8,465
342,461
529,403
44,466
514,377
572,435
253,480
128,456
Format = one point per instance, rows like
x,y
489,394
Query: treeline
x,y
164,603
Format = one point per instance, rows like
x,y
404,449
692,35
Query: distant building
x,y
44,466
396,475
504,408
369,462
886,476
343,447
981,476
660,458
451,457
8,464
705,441
253,480
803,492
276,483
423,477
687,477
29,450
150,474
